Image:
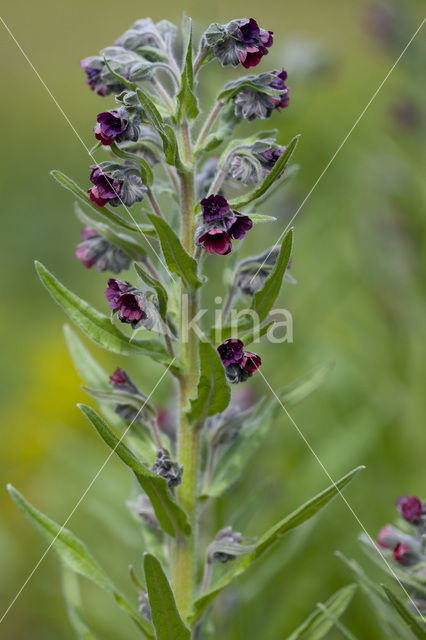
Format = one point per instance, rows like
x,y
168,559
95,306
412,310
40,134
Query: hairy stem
x,y
154,202
207,127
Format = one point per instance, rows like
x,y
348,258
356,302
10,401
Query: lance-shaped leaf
x,y
165,616
391,622
344,631
82,195
234,86
187,106
170,515
177,259
115,396
265,542
129,244
145,169
264,299
97,326
257,423
319,623
73,604
213,391
257,218
418,630
269,179
157,286
74,554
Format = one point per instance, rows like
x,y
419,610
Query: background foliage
x,y
359,300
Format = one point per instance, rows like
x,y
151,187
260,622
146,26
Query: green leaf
x,y
318,624
263,300
145,169
295,519
74,554
213,391
344,631
270,178
187,107
406,615
158,288
255,429
257,332
257,218
248,82
170,515
97,326
82,195
121,397
177,259
129,244
165,616
73,604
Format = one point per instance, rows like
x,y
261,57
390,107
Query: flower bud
x,y
227,546
115,184
96,250
239,42
167,468
404,554
410,507
144,33
250,103
99,78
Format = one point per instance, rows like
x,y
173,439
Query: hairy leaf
x,y
187,106
115,396
257,218
235,86
269,179
270,537
213,392
177,259
318,624
73,554
82,195
170,515
97,326
165,616
157,286
406,615
73,604
264,299
141,163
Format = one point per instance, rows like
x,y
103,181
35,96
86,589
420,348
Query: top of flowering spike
x,y
240,41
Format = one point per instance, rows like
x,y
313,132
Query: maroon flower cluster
x,y
241,42
251,103
106,188
220,225
239,364
131,304
116,126
115,184
96,250
406,547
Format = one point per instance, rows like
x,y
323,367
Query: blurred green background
x,y
359,301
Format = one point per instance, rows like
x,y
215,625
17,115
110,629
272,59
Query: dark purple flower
x,y
130,307
410,507
258,41
96,250
250,361
269,157
240,226
110,125
119,378
251,57
114,290
400,552
105,188
231,351
241,41
116,184
214,207
216,240
249,31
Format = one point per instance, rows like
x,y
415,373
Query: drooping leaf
x,y
97,326
73,604
170,515
115,396
269,179
141,163
270,537
249,82
255,428
406,615
319,623
82,195
213,391
177,259
187,106
74,554
165,616
263,300
157,286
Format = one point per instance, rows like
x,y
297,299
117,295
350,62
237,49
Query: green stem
x,y
184,561
211,119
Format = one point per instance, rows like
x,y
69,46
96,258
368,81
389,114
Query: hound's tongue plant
x,y
158,202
